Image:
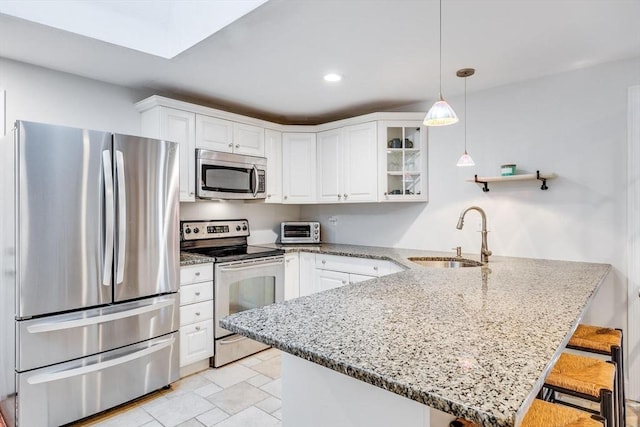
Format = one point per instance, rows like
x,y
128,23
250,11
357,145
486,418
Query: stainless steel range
x,y
245,277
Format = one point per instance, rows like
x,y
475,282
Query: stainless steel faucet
x,y
484,249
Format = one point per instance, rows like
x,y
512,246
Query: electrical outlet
x,y
333,220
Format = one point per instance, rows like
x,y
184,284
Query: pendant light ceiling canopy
x,y
465,159
440,113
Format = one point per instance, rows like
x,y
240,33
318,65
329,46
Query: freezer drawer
x,y
83,333
62,393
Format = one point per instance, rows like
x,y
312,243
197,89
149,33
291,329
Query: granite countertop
x,y
187,258
473,342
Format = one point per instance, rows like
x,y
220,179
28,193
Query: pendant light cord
x,y
440,41
465,115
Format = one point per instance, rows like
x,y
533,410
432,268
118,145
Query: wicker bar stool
x,y
608,342
545,414
586,378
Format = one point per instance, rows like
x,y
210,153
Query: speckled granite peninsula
x,y
472,342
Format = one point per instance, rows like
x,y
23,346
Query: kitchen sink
x,y
444,262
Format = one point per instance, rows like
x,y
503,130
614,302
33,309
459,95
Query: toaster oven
x,y
299,232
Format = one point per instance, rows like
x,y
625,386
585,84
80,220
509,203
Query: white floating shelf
x,y
524,177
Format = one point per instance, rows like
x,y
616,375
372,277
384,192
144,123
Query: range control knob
x,y
187,231
196,230
244,227
238,228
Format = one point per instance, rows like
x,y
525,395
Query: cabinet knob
x,y
345,196
197,273
288,261
197,294
197,313
375,268
344,282
237,145
197,328
324,261
339,196
286,197
191,193
230,145
268,196
386,194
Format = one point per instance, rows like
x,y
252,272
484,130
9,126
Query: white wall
x,y
573,124
42,95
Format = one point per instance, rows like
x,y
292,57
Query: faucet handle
x,y
458,250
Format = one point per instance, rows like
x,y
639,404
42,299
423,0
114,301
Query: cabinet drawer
x,y
364,266
196,312
196,292
196,342
196,273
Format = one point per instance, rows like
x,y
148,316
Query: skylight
x,y
162,28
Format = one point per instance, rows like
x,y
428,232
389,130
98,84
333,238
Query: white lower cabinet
x,y
320,272
291,276
196,315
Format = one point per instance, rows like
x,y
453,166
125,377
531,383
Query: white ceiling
x,y
270,62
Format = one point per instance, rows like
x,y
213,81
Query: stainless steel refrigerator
x,y
90,271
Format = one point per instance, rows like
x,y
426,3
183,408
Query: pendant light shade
x,y
465,159
440,113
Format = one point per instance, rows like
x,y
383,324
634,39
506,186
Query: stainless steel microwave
x,y
300,232
230,176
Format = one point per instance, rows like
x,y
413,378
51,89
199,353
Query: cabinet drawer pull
x,y
198,294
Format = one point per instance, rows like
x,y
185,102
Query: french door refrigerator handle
x,y
255,181
55,376
107,262
122,217
94,320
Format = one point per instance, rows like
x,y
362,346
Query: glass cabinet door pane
x,y
412,184
412,161
394,184
394,161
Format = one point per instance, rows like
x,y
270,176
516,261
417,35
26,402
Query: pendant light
x,y
465,159
440,113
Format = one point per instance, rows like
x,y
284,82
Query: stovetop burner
x,y
223,240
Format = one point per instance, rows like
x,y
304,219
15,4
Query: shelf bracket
x,y
485,187
544,181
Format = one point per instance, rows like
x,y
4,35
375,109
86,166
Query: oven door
x,y
243,285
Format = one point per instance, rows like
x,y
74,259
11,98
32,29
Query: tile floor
x,y
246,393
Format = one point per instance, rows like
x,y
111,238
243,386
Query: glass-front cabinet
x,y
403,161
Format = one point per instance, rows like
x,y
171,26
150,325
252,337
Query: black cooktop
x,y
236,253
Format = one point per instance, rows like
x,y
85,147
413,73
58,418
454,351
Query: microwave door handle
x,y
107,262
122,217
255,181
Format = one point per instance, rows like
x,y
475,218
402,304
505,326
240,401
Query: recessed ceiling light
x,y
333,77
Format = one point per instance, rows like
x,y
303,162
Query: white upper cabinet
x,y
348,165
329,162
402,152
248,140
214,134
217,134
299,167
178,126
273,153
360,163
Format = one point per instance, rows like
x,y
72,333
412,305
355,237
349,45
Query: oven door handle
x,y
236,267
255,181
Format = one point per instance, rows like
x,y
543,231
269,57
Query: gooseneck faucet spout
x,y
484,249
